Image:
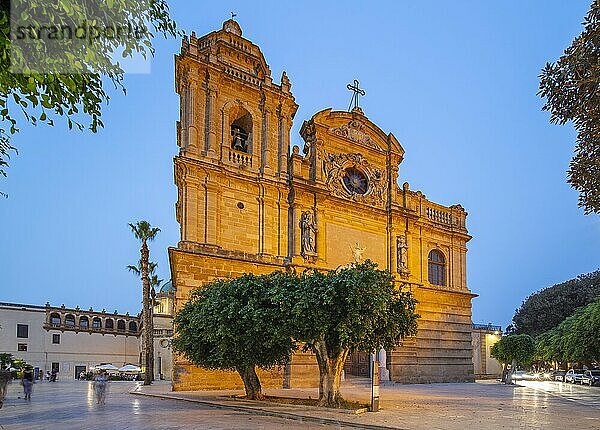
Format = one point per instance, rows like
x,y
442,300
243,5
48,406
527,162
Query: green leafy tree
x,y
583,341
499,352
547,308
575,339
144,232
238,324
69,83
6,360
514,349
570,87
356,308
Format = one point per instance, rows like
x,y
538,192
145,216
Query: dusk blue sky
x,y
455,81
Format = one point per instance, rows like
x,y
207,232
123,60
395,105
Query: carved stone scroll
x,y
333,170
354,131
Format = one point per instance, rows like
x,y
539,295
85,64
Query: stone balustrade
x,y
454,216
241,158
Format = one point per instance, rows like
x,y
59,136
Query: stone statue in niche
x,y
308,231
357,253
402,255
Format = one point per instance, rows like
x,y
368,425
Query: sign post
x,y
375,387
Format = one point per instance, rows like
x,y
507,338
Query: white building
x,y
71,341
68,341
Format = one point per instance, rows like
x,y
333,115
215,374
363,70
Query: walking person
x,y
100,387
27,382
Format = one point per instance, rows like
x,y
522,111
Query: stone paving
x,y
70,406
486,405
482,405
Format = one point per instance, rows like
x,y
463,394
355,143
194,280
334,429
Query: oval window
x,y
355,181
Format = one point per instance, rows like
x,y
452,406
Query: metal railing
x,y
488,327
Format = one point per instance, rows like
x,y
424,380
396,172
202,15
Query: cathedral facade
x,y
248,203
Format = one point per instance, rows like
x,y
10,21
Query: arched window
x,y
120,325
132,326
55,319
437,268
109,324
84,322
70,320
96,323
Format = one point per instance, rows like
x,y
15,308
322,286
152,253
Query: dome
x,y
167,287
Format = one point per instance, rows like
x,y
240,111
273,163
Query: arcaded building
x,y
250,202
68,341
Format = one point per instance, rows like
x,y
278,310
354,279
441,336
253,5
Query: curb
x,y
271,413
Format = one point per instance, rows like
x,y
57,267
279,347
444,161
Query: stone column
x,y
265,159
183,119
283,145
293,231
318,157
212,121
384,373
192,113
321,239
190,212
211,212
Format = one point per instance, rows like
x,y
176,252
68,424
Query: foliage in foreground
x,y
70,85
570,87
256,321
238,324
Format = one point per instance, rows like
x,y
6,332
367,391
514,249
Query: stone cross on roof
x,y
357,92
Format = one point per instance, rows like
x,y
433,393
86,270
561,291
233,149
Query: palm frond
x,y
134,269
143,231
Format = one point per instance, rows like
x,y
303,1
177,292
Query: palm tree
x,y
152,277
143,231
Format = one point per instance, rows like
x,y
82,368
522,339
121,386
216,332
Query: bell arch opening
x,y
241,130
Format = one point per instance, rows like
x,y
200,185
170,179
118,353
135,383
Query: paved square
x,y
69,405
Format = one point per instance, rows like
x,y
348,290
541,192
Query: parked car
x,y
519,375
522,375
574,376
558,375
591,377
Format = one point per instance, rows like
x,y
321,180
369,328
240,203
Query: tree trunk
x,y
330,374
513,368
147,317
504,372
4,380
251,383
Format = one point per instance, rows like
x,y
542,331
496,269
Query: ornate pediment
x,y
351,176
354,131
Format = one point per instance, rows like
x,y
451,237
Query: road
x,y
70,405
581,394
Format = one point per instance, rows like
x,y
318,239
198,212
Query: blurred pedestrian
x,y
27,382
100,387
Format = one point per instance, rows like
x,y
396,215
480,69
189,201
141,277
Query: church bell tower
x,y
233,135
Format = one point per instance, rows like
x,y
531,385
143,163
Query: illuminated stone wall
x,y
246,203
